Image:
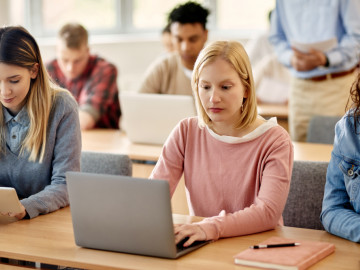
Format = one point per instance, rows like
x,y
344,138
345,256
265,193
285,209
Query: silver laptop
x,y
149,118
123,214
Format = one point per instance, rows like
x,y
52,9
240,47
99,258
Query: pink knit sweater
x,y
248,182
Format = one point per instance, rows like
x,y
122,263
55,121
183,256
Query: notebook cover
x,y
296,257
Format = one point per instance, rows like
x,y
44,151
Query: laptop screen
x,y
121,213
150,118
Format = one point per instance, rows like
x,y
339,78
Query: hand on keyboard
x,y
189,232
180,245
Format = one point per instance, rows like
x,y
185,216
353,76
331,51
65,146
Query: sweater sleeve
x,y
265,213
170,165
65,157
155,78
278,39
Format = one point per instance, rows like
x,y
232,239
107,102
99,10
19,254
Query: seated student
x,y
341,204
91,79
166,39
237,166
171,74
40,137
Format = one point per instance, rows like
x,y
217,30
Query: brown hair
x,y
18,47
74,35
355,98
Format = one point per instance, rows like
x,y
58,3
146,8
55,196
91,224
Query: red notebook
x,y
295,257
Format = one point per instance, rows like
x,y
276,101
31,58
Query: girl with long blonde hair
x,y
237,165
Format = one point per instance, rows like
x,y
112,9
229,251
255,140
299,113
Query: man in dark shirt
x,y
91,79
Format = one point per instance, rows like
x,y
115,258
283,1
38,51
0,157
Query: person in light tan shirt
x,y
171,74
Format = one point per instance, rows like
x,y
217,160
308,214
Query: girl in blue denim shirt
x,y
341,204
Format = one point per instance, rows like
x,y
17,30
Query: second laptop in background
x,y
149,118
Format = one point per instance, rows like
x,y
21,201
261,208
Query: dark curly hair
x,y
189,12
354,101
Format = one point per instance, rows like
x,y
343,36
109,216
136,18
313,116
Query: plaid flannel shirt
x,y
95,90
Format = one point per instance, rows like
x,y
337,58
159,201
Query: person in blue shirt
x,y
40,138
341,204
320,78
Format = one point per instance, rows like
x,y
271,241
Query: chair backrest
x,y
322,129
106,163
303,206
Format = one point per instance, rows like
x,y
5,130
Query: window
x,y
16,11
243,14
95,14
151,13
99,16
45,17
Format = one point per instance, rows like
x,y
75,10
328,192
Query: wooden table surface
x,y
115,141
49,239
12,267
280,111
312,151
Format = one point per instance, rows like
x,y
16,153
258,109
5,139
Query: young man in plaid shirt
x,y
91,79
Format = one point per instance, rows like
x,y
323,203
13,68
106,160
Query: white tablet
x,y
9,201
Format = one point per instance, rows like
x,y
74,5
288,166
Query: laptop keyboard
x,y
180,245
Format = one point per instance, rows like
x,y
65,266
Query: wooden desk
x,y
115,141
280,111
312,151
49,239
12,267
271,110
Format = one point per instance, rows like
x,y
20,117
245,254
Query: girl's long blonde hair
x,y
234,53
18,47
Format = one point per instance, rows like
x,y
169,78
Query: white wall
x,y
4,12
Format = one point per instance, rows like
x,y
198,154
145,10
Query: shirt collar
x,y
260,130
22,117
188,72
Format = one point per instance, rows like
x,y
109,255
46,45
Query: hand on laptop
x,y
192,231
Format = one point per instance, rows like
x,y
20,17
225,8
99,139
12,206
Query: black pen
x,y
276,245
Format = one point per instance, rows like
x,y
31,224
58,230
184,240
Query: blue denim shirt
x,y
341,204
309,21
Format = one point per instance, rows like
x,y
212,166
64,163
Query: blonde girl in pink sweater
x,y
237,166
